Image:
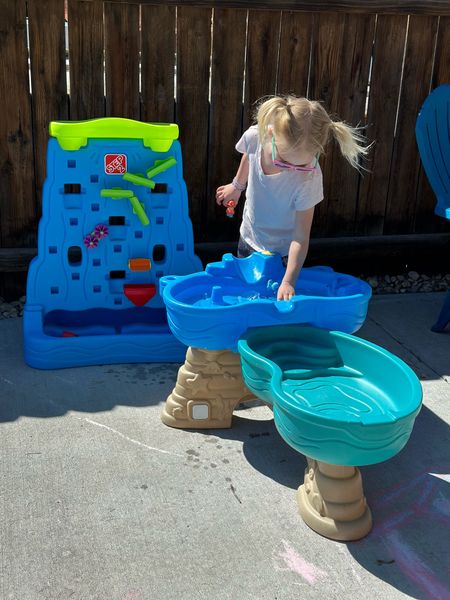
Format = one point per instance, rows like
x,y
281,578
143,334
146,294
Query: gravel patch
x,y
10,310
411,282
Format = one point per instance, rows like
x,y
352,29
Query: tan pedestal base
x,y
332,502
209,386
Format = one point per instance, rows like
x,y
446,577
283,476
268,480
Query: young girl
x,y
280,168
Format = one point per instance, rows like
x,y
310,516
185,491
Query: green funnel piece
x,y
138,210
116,194
161,165
119,194
139,180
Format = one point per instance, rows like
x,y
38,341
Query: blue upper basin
x,y
212,309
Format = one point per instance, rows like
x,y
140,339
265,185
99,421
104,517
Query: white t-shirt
x,y
268,221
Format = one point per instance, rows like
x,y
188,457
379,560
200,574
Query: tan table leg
x,y
331,501
209,386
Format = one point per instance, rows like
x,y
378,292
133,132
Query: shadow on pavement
x,y
409,496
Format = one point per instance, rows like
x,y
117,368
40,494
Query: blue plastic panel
x,y
433,139
68,282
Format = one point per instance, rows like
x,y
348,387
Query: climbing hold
x,y
139,264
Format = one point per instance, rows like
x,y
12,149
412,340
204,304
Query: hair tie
x,y
240,187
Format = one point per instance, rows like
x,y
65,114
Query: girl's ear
x,y
270,129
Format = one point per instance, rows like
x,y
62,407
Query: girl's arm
x,y
228,192
297,253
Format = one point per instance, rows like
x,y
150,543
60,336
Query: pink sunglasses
x,y
284,165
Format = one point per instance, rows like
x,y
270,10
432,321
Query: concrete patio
x,y
99,500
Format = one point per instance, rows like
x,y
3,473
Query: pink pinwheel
x,y
90,241
100,231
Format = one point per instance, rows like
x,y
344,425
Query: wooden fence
x,y
203,65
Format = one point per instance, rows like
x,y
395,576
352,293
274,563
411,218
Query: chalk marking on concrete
x,y
297,564
6,380
412,565
125,437
442,505
420,506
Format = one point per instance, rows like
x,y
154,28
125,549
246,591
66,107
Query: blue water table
x,y
336,398
209,311
114,222
212,309
341,401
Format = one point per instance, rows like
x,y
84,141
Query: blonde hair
x,y
305,123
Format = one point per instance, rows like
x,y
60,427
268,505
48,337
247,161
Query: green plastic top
x,y
72,135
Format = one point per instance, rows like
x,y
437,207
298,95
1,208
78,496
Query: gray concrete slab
x,y
99,500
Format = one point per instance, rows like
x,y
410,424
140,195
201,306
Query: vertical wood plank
x,y
295,49
158,63
122,60
401,205
383,101
192,108
262,59
48,76
351,83
229,33
441,73
426,220
325,63
17,199
87,98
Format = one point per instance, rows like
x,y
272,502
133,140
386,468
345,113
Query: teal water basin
x,y
336,398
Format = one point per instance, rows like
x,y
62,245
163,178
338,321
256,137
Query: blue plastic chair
x,y
433,140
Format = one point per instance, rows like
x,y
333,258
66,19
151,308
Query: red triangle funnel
x,y
139,293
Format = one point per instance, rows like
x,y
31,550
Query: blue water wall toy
x,y
114,221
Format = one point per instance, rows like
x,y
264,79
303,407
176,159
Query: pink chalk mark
x,y
134,595
401,488
297,564
415,569
442,505
420,506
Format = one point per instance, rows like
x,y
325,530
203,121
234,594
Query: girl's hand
x,y
225,193
286,291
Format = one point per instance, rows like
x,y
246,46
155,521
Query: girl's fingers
x,y
285,296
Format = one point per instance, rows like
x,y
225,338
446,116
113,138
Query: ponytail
x,y
351,142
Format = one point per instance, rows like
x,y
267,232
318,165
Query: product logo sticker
x,y
115,164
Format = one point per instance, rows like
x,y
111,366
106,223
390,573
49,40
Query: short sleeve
x,y
249,141
311,192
